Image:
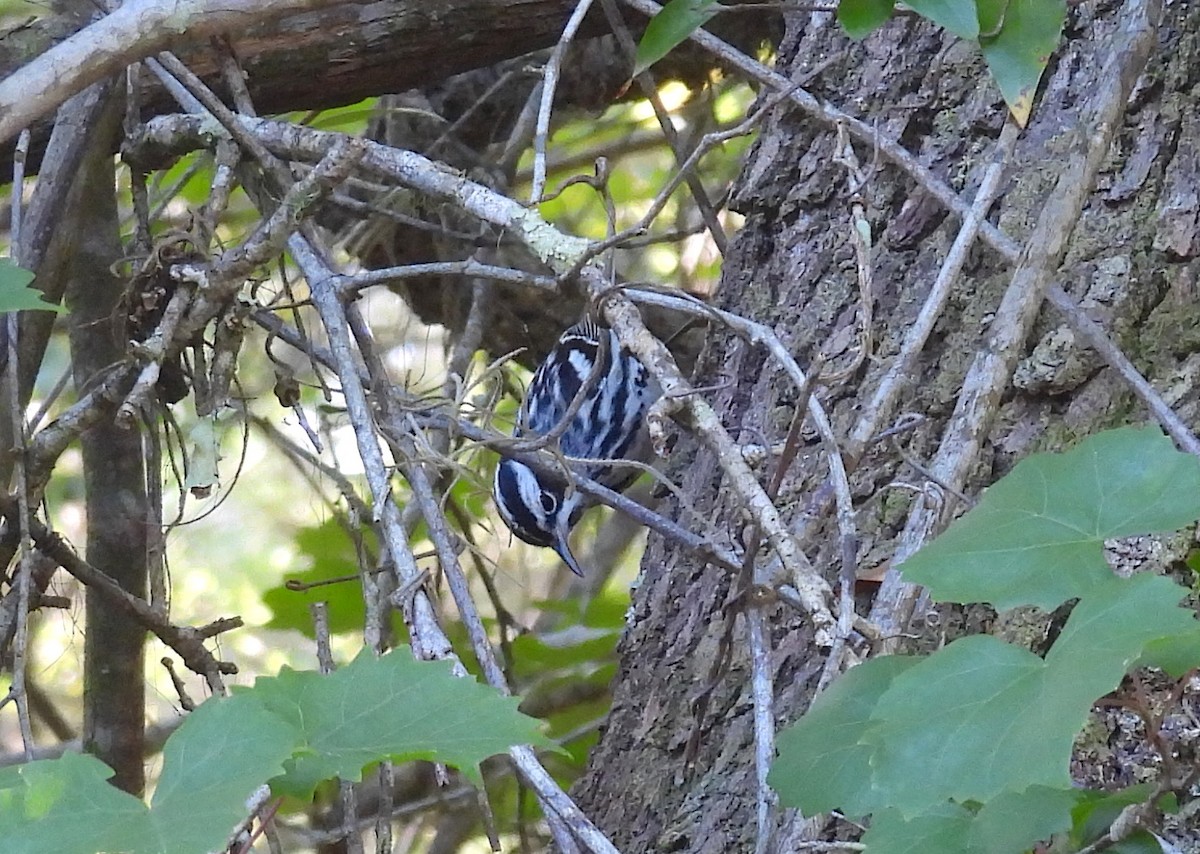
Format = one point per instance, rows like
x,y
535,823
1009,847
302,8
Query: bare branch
x,y
130,32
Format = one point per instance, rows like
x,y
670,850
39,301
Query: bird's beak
x,y
564,551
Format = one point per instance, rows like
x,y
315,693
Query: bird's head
x,y
538,509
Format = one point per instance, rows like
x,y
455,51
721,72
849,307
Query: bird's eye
x,y
549,502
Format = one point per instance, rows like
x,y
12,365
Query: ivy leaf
x,y
15,293
671,27
1028,32
860,18
1037,536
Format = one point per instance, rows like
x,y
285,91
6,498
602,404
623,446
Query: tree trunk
x,y
118,521
1131,261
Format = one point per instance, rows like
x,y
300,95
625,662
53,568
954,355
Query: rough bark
x,y
1132,262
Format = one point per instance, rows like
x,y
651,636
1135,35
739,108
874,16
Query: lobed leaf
x,y
15,293
1037,536
298,729
824,762
391,706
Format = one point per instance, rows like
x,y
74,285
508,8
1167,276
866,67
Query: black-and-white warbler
x,y
606,422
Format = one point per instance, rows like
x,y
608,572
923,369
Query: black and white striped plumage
x,y
609,425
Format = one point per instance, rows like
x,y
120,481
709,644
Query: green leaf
x,y
860,18
1027,35
670,27
977,719
389,707
1037,536
298,728
982,718
944,830
222,752
1015,821
15,293
957,16
66,806
823,761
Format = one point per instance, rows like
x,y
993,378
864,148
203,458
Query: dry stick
x,y
649,88
899,372
383,816
763,692
989,375
679,396
351,284
549,84
17,206
429,641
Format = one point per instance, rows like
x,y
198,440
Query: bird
x,y
607,422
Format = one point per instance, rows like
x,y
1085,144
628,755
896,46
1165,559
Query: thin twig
x,y
549,85
900,371
649,88
351,284
186,641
